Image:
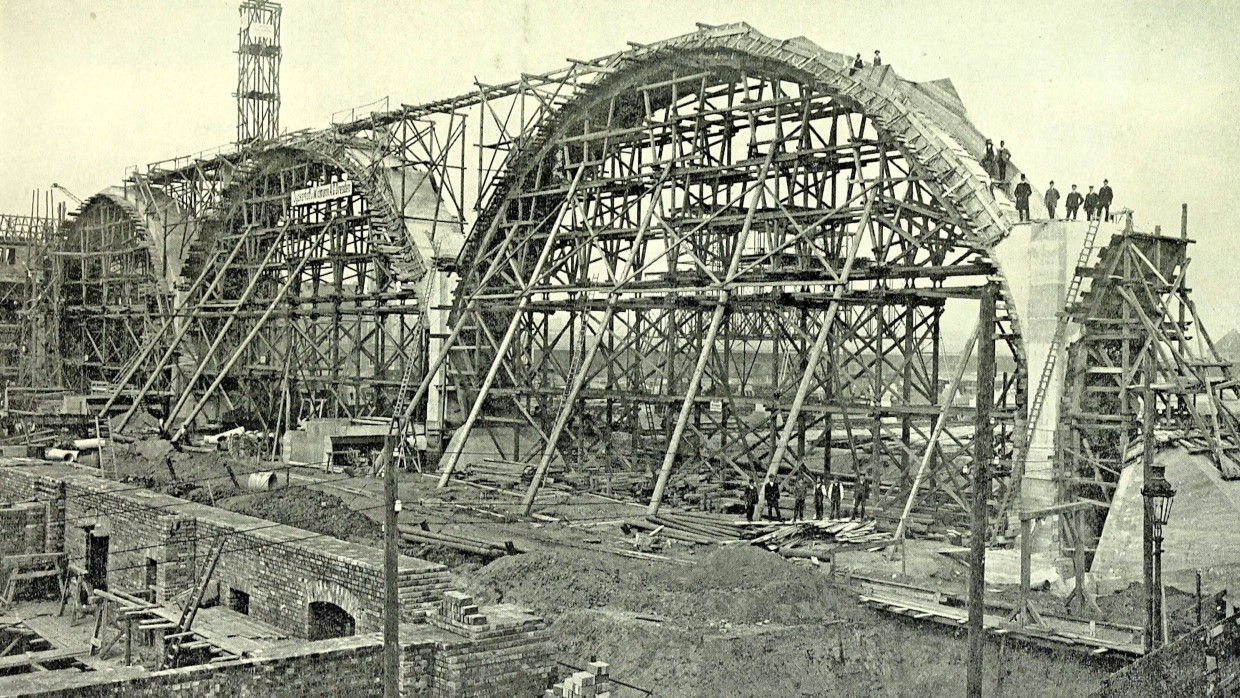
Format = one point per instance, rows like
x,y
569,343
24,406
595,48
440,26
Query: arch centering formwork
x,y
729,258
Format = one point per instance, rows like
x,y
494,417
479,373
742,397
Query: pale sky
x,y
1145,94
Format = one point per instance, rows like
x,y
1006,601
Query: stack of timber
x,y
816,539
507,475
688,527
600,479
422,534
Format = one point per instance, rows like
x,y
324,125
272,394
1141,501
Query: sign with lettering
x,y
259,30
323,192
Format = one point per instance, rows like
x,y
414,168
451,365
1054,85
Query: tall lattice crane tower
x,y
258,72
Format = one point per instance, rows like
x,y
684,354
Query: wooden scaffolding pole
x,y
201,402
579,379
939,425
176,339
686,407
815,352
983,443
457,444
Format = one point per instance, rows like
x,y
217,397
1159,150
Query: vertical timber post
x,y
391,592
1147,517
982,446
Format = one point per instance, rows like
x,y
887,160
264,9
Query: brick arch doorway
x,y
328,620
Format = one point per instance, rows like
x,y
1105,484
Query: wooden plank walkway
x,y
1090,637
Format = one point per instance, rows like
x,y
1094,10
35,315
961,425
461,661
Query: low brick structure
x,y
451,648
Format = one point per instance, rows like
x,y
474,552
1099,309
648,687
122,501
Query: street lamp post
x,y
1158,495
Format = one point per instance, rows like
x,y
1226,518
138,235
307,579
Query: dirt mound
x,y
310,510
560,579
739,567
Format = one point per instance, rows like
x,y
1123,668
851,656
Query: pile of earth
x,y
746,622
301,507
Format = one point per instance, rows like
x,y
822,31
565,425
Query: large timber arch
x,y
729,258
305,293
114,267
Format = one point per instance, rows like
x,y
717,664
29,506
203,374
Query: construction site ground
x,y
678,618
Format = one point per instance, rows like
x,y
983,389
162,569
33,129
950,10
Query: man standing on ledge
x,y
1052,200
1105,196
858,64
1023,192
1091,204
1005,156
1072,203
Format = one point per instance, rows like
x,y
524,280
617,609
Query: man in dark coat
x,y
799,491
860,495
834,494
1105,197
1023,192
1072,203
1091,204
751,500
878,60
771,494
1052,200
858,64
820,497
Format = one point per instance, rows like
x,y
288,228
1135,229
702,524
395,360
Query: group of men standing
x,y
824,493
858,64
996,162
1097,206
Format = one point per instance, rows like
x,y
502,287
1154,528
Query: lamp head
x,y
1161,495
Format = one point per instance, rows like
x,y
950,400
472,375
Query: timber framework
x,y
716,259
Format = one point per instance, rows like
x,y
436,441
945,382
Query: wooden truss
x,y
698,266
1139,323
295,311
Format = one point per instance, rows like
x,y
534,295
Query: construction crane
x,y
68,193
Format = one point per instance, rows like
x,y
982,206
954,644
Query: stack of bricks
x,y
595,683
461,609
503,652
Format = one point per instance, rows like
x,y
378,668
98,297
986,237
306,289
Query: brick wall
x,y
15,486
140,525
451,648
283,569
340,668
493,651
23,528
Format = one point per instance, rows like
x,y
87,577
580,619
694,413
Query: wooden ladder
x,y
399,427
1061,329
183,632
107,454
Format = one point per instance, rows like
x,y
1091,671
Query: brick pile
x,y
500,652
460,608
594,683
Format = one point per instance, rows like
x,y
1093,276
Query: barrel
x,y
261,481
